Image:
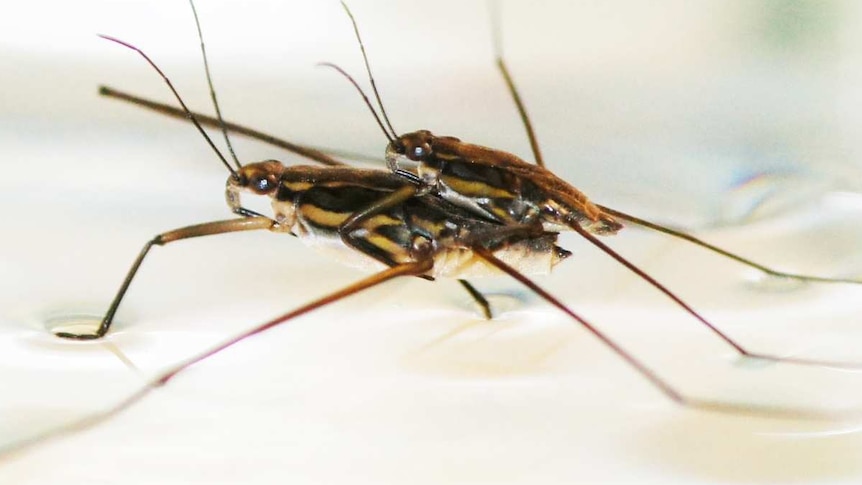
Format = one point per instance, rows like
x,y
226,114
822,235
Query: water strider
x,y
409,233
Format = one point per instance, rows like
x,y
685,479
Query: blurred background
x,y
738,119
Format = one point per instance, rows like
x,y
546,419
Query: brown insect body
x,y
313,203
497,184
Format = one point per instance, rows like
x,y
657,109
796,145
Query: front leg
x,y
197,230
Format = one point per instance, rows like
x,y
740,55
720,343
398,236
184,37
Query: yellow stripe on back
x,y
323,217
475,188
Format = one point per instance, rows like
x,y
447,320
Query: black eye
x,y
260,184
419,152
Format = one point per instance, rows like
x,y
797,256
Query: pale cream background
x,y
661,111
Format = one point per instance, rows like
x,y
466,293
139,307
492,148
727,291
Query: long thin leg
x,y
522,112
525,119
699,242
666,230
510,84
645,371
395,198
347,228
197,230
406,269
205,120
534,144
478,297
738,347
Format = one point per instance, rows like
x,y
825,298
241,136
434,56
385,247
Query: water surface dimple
x,y
73,324
767,283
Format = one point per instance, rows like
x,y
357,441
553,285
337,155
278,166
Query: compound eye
x,y
261,184
419,152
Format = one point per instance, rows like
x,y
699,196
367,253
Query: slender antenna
x,y
496,39
389,137
212,89
368,70
179,98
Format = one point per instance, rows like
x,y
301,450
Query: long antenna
x,y
212,89
368,70
179,98
341,71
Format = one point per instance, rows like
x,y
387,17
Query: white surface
x,y
654,111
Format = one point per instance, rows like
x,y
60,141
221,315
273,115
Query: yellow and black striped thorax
x,y
323,198
315,202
